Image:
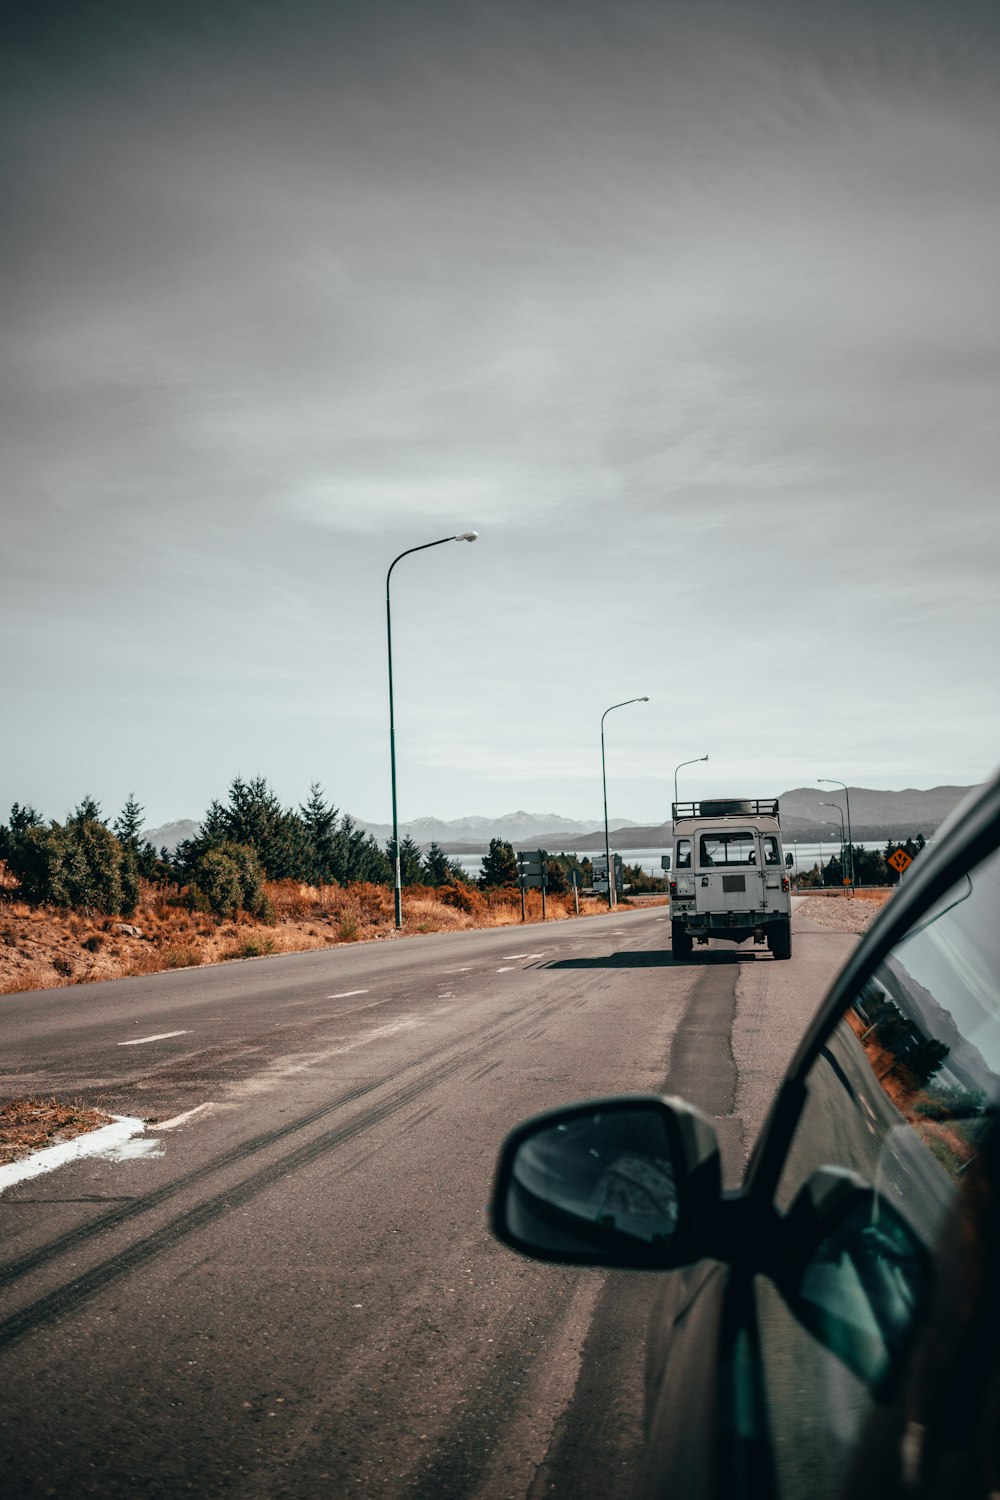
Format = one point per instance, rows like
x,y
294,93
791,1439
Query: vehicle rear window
x,y
683,854
728,849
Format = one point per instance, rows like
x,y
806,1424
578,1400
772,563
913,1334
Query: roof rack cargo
x,y
728,807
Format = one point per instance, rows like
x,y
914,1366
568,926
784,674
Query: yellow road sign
x,y
900,860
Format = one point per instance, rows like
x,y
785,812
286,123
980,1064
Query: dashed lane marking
x,y
507,969
161,1036
346,994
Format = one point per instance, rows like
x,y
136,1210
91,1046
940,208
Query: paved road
x,y
292,1291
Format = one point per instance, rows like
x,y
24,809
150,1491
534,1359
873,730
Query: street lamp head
x,y
644,700
465,536
704,757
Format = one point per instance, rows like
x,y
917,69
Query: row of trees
x,y
499,868
871,866
243,842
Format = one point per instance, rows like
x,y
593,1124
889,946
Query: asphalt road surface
x,y
288,1288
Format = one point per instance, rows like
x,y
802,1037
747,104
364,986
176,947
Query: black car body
x,y
832,1328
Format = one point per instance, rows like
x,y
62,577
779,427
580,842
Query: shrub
x,y
463,898
254,948
228,878
79,863
181,958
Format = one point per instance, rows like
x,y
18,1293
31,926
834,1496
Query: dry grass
x,y
28,1125
41,948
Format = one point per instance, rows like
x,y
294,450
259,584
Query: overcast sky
x,y
691,310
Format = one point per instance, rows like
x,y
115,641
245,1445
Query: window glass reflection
x,y
904,1094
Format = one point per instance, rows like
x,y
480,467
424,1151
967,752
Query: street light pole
x,y
604,784
681,767
463,536
829,781
839,811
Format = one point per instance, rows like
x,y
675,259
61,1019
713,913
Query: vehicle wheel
x,y
779,939
681,941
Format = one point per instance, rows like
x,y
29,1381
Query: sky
x,y
691,311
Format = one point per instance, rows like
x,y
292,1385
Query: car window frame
x,y
963,843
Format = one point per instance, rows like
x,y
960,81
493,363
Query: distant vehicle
x,y
831,1329
729,879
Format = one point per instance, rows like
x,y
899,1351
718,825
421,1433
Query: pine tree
x,y
437,867
323,847
128,824
88,811
499,865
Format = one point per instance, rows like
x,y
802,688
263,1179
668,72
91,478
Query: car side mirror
x,y
853,1272
633,1181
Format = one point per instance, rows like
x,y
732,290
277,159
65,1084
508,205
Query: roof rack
x,y
728,807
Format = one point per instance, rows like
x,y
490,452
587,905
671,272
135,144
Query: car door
x,y
860,1321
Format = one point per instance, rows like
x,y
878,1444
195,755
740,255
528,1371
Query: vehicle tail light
x,y
785,886
673,888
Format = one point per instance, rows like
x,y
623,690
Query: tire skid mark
x,y
65,1298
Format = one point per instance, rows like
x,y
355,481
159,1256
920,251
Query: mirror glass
x,y
599,1183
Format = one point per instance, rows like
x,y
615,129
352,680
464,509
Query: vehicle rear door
x,y
729,870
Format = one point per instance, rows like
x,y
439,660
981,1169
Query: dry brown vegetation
x,y
28,1125
42,947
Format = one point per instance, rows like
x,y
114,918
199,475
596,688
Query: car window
x,y
683,854
728,849
902,1095
769,844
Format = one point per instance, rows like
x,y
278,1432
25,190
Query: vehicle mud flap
x,y
745,1463
779,939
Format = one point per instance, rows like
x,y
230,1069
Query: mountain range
x,y
874,815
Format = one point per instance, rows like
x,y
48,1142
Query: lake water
x,y
804,855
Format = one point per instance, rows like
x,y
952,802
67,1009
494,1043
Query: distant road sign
x,y
900,860
531,867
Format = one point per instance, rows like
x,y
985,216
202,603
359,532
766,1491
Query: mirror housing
x,y
633,1182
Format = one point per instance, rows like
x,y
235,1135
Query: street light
x,y
681,767
604,783
463,536
839,811
829,781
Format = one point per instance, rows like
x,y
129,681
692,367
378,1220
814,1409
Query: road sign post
x,y
531,872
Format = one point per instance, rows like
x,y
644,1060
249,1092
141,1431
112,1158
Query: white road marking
x,y
188,1114
346,994
515,955
507,969
466,970
161,1036
110,1140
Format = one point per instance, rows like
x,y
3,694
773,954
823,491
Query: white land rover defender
x,y
729,878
